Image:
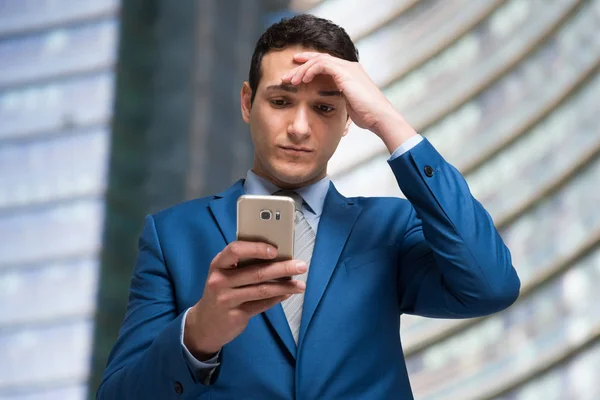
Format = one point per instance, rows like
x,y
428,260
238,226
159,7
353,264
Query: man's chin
x,y
291,176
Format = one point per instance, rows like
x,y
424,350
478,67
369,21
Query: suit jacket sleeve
x,y
147,362
453,262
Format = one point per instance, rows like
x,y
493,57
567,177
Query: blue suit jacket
x,y
438,255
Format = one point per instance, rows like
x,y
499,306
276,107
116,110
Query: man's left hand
x,y
367,105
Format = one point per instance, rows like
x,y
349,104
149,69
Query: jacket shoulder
x,y
183,210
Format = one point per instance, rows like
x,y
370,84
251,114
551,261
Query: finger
x,y
262,273
307,61
300,71
261,291
288,75
321,67
292,73
256,307
306,55
240,250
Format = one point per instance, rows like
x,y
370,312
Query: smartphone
x,y
268,219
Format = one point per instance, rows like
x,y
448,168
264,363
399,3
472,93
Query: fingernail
x,y
300,285
301,266
270,251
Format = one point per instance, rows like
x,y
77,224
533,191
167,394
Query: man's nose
x,y
300,125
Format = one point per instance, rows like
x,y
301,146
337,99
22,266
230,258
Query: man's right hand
x,y
233,295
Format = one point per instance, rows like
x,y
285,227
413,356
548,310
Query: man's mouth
x,y
294,149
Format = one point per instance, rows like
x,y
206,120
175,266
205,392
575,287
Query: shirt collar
x,y
313,194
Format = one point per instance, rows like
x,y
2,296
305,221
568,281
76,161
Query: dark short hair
x,y
306,30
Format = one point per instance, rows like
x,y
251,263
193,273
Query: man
x,y
198,327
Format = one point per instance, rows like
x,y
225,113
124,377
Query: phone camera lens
x,y
265,215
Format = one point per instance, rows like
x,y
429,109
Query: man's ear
x,y
246,101
348,123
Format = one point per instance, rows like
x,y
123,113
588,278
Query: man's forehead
x,y
275,64
276,61
285,55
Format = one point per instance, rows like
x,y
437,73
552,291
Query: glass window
x,y
46,354
575,380
415,35
541,156
40,293
17,16
75,392
58,51
57,106
357,16
534,239
360,181
53,169
70,229
480,53
532,87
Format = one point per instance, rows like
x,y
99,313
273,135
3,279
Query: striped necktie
x,y
304,242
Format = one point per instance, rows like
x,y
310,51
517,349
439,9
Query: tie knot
x,y
295,196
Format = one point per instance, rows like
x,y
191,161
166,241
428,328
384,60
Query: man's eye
x,y
278,102
325,108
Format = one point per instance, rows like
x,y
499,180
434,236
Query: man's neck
x,y
286,185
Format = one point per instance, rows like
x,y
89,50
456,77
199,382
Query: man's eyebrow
x,y
287,88
294,89
330,93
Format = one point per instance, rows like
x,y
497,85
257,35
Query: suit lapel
x,y
338,218
224,210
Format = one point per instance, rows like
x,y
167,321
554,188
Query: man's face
x,y
295,129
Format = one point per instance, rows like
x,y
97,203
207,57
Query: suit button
x,y
178,388
428,171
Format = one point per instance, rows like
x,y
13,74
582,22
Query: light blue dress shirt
x,y
312,207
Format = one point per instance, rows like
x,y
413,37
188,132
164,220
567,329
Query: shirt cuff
x,y
198,367
406,146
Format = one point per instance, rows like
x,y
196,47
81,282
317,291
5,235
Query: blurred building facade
x,y
505,89
56,91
